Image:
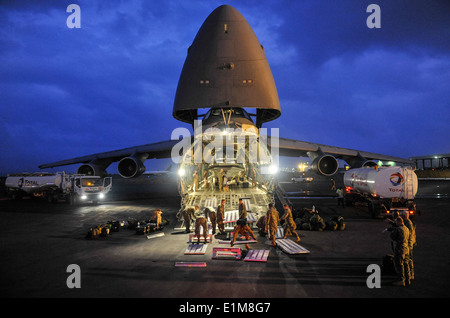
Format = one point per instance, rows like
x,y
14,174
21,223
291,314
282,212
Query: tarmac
x,y
40,240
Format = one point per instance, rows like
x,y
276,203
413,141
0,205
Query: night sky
x,y
110,84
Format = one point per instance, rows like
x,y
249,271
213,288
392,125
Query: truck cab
x,y
89,188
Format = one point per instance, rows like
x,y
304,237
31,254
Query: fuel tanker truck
x,y
383,189
73,188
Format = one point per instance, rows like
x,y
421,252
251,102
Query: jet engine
x,y
326,165
91,169
369,163
131,167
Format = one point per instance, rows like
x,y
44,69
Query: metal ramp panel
x,y
280,232
211,203
257,256
237,242
196,249
190,264
226,253
231,217
247,204
290,247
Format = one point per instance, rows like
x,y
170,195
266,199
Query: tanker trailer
x,y
381,188
33,184
73,188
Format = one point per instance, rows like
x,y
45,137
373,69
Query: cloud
x,y
109,85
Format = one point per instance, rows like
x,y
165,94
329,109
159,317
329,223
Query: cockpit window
x,y
235,112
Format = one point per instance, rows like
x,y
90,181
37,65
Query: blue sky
x,y
110,84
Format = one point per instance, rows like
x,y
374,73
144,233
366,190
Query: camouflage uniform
x,y
400,237
242,228
157,218
411,243
220,215
289,224
200,221
242,210
213,218
188,214
220,177
272,224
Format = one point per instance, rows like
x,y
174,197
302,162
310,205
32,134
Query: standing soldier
x,y
157,218
333,185
220,176
212,218
242,210
195,185
400,236
205,179
289,224
411,242
220,216
340,193
201,221
272,223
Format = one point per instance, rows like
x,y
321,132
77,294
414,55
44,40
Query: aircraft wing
x,y
96,164
131,159
297,148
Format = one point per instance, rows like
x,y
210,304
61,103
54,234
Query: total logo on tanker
x,y
396,180
27,183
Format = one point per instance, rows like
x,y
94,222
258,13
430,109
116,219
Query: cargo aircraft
x,y
226,91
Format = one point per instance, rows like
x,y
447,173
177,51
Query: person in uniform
x,y
261,225
188,215
272,223
220,177
400,236
212,217
242,229
289,224
205,179
340,193
242,210
220,216
157,218
201,222
411,242
195,185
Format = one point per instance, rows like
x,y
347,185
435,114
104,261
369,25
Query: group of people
x,y
403,237
221,178
267,223
201,219
223,181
